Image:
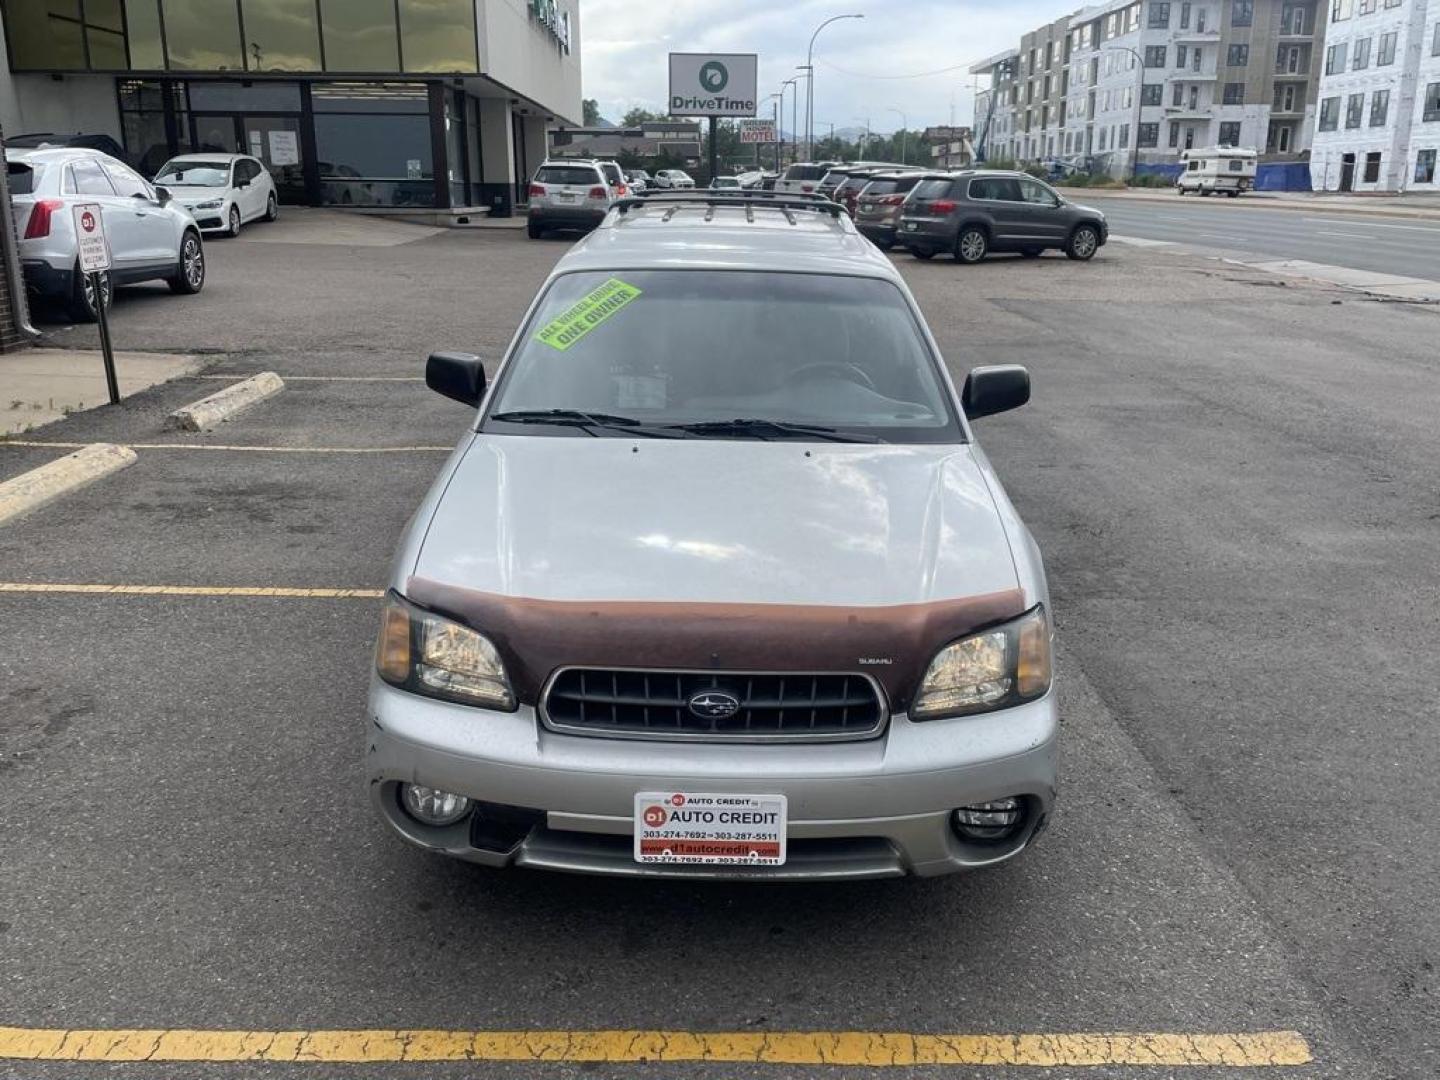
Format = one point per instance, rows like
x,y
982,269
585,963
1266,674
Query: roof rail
x,y
778,200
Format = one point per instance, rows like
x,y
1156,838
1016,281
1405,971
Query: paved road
x,y
1240,526
1406,246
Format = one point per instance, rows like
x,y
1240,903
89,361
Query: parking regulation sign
x,y
90,231
713,84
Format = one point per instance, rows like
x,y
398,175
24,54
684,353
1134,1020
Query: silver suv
x,y
718,583
568,195
151,236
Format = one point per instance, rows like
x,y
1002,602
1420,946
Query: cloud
x,y
624,46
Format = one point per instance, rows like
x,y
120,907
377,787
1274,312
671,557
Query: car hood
x,y
188,195
717,521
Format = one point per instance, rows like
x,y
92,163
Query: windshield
x,y
881,187
195,174
674,348
573,175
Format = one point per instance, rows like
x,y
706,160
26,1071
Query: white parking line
x,y
324,378
246,449
1347,235
1374,225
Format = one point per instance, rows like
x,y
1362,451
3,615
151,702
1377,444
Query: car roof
x,y
737,231
232,158
51,155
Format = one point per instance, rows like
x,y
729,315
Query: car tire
x,y
1032,253
82,306
534,229
190,278
232,222
972,245
1083,243
1233,194
922,253
272,208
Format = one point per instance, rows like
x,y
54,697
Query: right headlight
x,y
990,670
429,654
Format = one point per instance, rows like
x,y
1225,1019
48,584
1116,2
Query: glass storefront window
x,y
375,160
360,35
142,24
259,96
281,35
438,35
203,35
105,34
45,35
370,97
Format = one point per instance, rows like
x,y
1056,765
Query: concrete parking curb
x,y
224,404
32,490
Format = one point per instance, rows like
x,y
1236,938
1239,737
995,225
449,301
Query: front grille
x,y
657,705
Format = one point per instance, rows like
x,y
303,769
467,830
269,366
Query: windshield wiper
x,y
774,429
586,420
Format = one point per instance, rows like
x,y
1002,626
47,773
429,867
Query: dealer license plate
x,y
703,829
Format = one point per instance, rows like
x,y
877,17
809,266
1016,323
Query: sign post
x,y
94,264
713,85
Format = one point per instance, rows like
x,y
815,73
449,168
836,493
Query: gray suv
x,y
974,213
718,582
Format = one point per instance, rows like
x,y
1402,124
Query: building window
x,y
1174,133
1354,110
438,35
1379,107
1335,59
1432,102
281,35
1155,56
1200,20
1230,133
1387,49
1372,167
142,26
1339,10
1367,7
1362,55
373,144
1182,55
1147,135
1425,167
203,35
1238,56
1102,138
64,35
1124,136
1177,95
1234,93
360,35
1329,114
1292,20
1242,12
1435,41
1185,16
1159,15
1285,98
1152,94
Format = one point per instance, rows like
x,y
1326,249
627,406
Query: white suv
x,y
151,236
568,195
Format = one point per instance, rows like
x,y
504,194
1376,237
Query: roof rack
x,y
751,199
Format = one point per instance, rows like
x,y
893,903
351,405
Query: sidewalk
x,y
38,386
1410,205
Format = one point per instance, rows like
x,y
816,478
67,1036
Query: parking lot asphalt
x,y
1231,478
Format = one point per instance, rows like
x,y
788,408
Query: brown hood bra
x,y
894,644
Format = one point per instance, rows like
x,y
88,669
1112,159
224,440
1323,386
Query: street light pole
x,y
810,86
904,135
794,109
775,100
1139,99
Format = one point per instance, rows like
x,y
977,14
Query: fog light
x,y
431,807
988,822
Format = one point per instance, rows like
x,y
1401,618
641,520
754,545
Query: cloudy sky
x,y
625,42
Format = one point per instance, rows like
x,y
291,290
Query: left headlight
x,y
991,670
428,654
213,204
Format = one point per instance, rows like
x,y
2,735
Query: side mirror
x,y
163,194
457,375
995,389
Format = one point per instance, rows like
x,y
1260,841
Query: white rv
x,y
1217,168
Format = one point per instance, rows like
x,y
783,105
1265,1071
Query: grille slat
x,y
772,706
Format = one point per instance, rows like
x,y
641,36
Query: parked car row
x,y
153,229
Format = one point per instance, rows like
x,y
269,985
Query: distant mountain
x,y
602,122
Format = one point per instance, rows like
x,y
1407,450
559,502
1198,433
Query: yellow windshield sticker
x,y
574,323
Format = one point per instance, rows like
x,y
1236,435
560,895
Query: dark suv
x,y
973,213
878,206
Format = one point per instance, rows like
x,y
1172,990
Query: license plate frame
x,y
692,828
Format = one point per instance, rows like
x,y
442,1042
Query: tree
x,y
592,112
637,117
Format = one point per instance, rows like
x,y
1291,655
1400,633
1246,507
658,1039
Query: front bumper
x,y
878,808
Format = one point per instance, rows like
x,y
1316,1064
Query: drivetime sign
x,y
713,84
90,232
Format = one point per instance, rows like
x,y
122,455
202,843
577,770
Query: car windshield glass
x,y
739,351
881,187
567,174
195,174
832,178
23,179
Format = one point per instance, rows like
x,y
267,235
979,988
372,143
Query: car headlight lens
x,y
990,670
213,204
429,654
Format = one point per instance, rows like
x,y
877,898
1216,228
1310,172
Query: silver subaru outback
x,y
718,583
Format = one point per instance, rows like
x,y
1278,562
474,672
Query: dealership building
x,y
366,103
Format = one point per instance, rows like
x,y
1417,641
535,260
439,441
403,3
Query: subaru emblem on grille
x,y
713,705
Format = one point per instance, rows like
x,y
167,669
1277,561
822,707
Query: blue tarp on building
x,y
1276,176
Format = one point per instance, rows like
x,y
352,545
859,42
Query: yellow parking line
x,y
1255,1049
190,590
250,449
